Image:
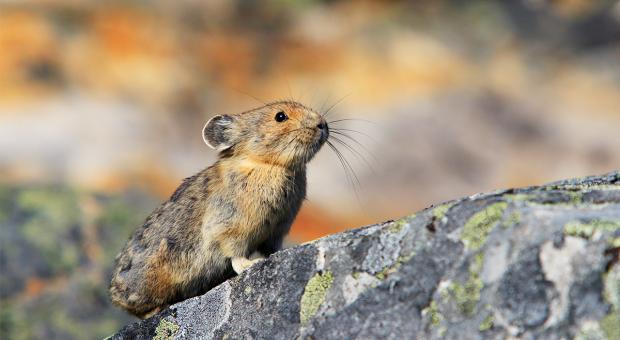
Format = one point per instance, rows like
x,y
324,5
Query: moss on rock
x,y
314,295
466,295
586,229
440,211
165,330
478,226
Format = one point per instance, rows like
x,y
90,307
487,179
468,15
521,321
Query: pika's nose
x,y
322,126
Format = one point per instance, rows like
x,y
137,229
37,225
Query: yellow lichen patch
x,y
433,313
397,226
487,323
467,295
611,325
441,210
165,330
477,228
586,229
314,295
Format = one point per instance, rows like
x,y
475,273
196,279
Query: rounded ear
x,y
217,132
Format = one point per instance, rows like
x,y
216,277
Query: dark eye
x,y
281,116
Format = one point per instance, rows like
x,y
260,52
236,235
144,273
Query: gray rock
x,y
539,262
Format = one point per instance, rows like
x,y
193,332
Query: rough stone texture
x,y
539,262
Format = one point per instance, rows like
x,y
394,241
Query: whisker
x,y
334,105
351,119
349,171
351,130
253,97
355,153
339,133
290,93
324,103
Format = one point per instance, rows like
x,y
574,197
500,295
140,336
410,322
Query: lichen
x,y
397,226
513,219
477,228
487,323
383,274
590,330
611,291
584,187
575,197
433,313
467,295
314,295
56,212
165,330
586,229
610,325
440,211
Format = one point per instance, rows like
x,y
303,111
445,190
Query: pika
x,y
244,203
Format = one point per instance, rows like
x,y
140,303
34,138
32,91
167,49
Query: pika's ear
x,y
217,132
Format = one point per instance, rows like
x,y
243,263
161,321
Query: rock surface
x,y
526,263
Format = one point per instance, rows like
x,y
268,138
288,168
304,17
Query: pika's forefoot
x,y
240,264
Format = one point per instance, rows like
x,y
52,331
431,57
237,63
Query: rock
x,y
538,262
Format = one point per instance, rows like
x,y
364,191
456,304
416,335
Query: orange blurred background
x,y
453,98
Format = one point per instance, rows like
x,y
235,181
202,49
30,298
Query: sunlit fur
x,y
243,203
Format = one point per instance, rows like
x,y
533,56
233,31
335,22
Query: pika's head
x,y
286,133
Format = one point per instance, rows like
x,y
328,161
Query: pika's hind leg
x,y
240,264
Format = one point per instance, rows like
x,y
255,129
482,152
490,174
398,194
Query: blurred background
x,y
101,109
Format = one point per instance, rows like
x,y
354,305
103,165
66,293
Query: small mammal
x,y
216,219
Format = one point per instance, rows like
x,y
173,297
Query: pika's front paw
x,y
240,264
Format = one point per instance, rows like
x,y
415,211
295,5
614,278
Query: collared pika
x,y
212,223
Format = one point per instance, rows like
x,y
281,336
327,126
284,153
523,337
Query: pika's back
x,y
244,203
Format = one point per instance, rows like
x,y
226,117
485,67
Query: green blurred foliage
x,y
52,285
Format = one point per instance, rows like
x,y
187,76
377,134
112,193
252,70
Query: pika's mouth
x,y
323,132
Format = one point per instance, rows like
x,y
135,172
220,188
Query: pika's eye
x,y
281,116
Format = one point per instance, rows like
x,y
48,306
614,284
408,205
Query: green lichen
x,y
467,295
355,275
53,214
584,187
586,229
590,330
314,295
440,211
611,291
165,330
513,219
487,323
383,274
610,325
433,313
398,225
576,197
477,228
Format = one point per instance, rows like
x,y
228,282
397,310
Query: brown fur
x,y
243,203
